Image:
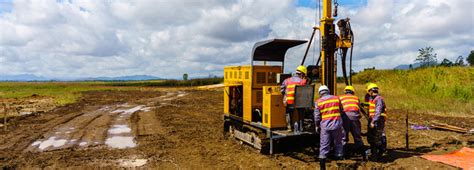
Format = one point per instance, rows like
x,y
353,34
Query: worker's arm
x,y
379,103
317,114
361,110
283,87
341,108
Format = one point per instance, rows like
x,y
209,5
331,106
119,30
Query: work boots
x,y
322,164
384,144
338,158
346,152
288,122
374,153
301,125
365,154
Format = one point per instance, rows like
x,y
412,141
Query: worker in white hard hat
x,y
327,118
288,91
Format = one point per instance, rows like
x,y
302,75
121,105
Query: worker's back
x,y
330,111
288,87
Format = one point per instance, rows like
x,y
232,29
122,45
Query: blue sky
x,y
5,6
166,38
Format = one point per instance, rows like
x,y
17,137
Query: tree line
x,y
427,58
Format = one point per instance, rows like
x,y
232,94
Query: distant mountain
x,y
31,77
407,66
23,77
126,78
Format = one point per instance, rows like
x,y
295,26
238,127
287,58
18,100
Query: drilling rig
x,y
254,112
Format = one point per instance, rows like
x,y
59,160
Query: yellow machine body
x,y
273,108
249,81
253,103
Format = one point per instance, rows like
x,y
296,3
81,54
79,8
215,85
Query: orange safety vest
x,y
372,108
350,103
290,89
366,101
329,108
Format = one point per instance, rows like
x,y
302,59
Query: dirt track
x,y
180,128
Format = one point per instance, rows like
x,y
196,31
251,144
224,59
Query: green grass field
x,y
68,92
61,92
437,90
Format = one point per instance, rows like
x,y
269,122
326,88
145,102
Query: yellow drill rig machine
x,y
254,112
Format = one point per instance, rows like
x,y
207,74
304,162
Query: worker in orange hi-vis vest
x,y
367,97
377,113
327,118
351,120
288,90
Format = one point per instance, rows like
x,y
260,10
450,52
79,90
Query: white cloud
x,y
82,38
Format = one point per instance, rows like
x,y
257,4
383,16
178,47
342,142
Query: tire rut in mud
x,y
88,122
64,135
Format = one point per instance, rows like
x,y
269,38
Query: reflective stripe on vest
x,y
290,89
372,108
350,103
329,108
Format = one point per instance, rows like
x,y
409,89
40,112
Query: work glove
x,y
372,124
318,129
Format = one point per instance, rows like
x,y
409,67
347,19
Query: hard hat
x,y
301,69
372,86
349,88
367,86
322,88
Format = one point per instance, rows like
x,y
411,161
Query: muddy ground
x,y
29,105
183,129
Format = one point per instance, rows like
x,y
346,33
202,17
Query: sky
x,y
166,38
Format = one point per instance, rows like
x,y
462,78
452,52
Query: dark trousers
x,y
353,127
300,111
376,138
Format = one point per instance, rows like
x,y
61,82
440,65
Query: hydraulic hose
x,y
343,62
350,57
309,46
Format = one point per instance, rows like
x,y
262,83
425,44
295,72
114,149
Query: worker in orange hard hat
x,y
288,90
377,113
351,119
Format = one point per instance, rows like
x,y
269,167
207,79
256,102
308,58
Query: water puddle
x,y
130,163
118,129
83,144
128,111
50,142
36,143
25,113
120,142
146,109
120,134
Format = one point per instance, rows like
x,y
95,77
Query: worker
x,y
351,119
288,90
377,116
367,97
327,118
